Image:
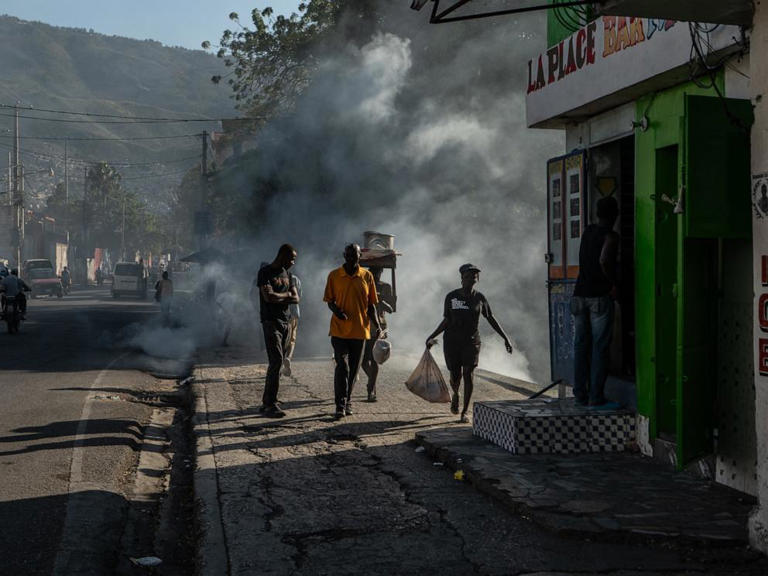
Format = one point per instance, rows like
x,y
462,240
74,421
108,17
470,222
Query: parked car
x,y
44,281
129,278
33,264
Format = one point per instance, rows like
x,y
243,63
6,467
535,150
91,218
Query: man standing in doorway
x,y
385,306
461,345
592,306
350,293
275,296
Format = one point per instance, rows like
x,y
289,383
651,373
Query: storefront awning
x,y
737,12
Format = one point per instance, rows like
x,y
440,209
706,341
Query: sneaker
x,y
262,408
339,413
274,411
464,419
348,409
371,397
455,403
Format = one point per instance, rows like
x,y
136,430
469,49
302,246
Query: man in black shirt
x,y
276,294
461,344
592,306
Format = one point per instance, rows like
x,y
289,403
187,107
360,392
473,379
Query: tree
x,y
274,62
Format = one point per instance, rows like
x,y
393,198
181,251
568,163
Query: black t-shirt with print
x,y
463,315
280,281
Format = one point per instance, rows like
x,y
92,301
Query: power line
x,y
153,121
90,162
116,138
97,115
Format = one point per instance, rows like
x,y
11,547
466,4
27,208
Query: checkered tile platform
x,y
546,426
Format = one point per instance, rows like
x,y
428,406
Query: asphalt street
x,y
309,494
72,415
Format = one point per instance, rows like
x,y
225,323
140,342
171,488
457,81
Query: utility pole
x,y
122,241
18,190
202,215
66,172
84,235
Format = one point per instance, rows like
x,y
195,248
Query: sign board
x,y
608,56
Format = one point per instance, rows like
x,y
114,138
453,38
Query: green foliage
x,y
273,62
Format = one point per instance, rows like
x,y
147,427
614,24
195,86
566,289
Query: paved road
x,y
71,422
310,495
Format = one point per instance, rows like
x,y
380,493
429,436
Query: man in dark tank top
x,y
592,306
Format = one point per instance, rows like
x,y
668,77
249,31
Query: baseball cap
x,y
468,268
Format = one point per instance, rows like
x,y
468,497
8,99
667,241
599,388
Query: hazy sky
x,y
173,22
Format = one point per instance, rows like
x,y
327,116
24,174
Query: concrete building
x,y
662,104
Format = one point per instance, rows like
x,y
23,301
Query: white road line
x,y
69,539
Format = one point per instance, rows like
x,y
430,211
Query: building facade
x,y
662,108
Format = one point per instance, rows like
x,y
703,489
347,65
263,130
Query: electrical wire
x,y
97,115
100,139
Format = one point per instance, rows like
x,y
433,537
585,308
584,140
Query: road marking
x,y
77,511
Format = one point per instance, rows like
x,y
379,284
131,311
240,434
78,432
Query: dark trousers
x,y
347,353
275,339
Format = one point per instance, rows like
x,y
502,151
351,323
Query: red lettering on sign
x,y
762,356
636,34
571,67
764,269
553,62
581,48
609,35
622,34
591,29
762,312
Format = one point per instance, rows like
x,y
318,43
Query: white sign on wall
x,y
607,56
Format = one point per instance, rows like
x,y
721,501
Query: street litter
x,y
458,475
419,449
147,561
427,381
437,464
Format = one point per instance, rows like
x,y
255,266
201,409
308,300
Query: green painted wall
x,y
657,317
556,31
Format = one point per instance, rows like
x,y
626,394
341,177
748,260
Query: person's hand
x,y
431,342
508,346
341,315
376,333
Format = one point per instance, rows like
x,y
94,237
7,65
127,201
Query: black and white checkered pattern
x,y
552,427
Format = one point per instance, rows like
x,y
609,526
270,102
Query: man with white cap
x,y
461,344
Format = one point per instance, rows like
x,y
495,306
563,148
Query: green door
x,y
716,206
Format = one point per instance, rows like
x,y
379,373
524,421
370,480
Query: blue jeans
x,y
593,320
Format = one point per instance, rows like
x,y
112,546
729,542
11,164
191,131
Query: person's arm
x,y
24,286
495,325
608,257
374,318
436,332
330,298
338,312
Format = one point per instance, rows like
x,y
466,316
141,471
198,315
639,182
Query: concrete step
x,y
552,426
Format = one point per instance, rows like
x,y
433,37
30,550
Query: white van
x,y
129,278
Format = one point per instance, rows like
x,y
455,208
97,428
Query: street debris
x,y
419,450
458,475
437,464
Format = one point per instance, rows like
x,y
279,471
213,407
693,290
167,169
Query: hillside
x,y
78,70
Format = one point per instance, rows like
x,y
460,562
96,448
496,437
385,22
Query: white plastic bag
x,y
381,351
427,381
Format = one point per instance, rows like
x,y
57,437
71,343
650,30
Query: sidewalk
x,y
264,487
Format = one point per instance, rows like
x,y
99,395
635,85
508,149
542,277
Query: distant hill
x,y
81,71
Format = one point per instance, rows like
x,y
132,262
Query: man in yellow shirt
x,y
351,295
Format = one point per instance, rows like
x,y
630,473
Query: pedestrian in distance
x,y
294,313
386,305
350,293
461,344
164,295
276,294
592,306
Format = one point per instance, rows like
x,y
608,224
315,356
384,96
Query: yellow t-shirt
x,y
352,294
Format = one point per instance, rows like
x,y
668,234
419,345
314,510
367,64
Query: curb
x,y
212,557
558,522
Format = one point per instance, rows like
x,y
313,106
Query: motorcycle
x,y
12,314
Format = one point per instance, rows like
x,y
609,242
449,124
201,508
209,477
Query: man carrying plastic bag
x,y
461,344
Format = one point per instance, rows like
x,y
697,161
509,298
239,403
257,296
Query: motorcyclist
x,y
14,287
66,279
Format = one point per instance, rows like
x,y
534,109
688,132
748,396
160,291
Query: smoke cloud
x,y
417,131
